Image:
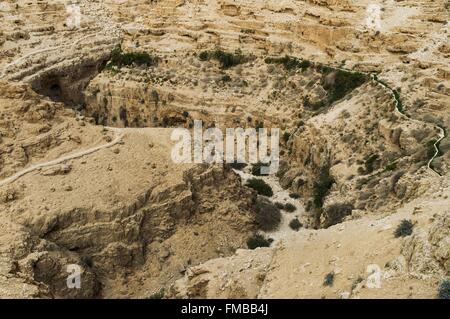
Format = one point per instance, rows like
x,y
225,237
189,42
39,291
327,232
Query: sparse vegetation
x,y
279,205
356,282
444,289
226,59
397,98
290,63
157,295
335,213
322,186
329,279
226,78
343,82
120,59
294,195
268,215
391,167
405,228
260,186
87,261
430,148
203,56
258,240
295,224
289,207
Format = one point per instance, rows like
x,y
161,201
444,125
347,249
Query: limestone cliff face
x,y
34,129
370,151
150,232
296,267
85,168
427,251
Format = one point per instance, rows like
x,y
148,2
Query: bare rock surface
x,y
86,176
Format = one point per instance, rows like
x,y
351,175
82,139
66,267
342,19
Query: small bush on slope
x,y
404,229
295,224
268,215
226,59
329,279
444,289
119,58
321,187
258,240
289,207
260,186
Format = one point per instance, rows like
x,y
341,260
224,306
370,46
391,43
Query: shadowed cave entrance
x,y
67,85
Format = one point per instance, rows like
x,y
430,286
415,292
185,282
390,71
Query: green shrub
x,y
444,289
258,240
344,82
335,213
259,124
329,279
204,56
289,63
157,295
286,136
391,167
268,215
295,224
87,260
321,187
294,195
431,149
226,78
289,207
405,228
226,59
260,186
119,59
279,205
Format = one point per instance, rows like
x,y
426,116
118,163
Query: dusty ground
x,y
85,170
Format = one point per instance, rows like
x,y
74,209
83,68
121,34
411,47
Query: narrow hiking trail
x,y
398,109
119,135
400,112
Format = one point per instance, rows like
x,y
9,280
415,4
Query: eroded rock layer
x,y
90,92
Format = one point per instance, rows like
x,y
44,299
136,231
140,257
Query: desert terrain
x,y
91,91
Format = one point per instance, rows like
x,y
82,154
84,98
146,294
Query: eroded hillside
x,y
88,103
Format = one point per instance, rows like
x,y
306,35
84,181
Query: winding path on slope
x,y
398,110
119,135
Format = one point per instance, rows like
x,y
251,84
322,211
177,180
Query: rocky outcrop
x,y
111,201
427,250
238,276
